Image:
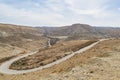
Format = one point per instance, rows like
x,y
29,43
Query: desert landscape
x,y
74,52
59,39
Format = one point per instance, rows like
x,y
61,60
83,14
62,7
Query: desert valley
x,y
71,52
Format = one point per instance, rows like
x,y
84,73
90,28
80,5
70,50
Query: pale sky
x,y
60,12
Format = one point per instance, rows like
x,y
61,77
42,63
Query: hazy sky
x,y
60,12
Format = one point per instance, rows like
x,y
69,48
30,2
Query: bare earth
x,y
50,55
102,62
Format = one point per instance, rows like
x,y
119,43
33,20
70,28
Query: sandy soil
x,y
7,50
50,54
105,66
98,63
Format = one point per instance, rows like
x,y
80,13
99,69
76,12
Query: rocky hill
x,y
82,31
75,31
12,30
109,31
25,37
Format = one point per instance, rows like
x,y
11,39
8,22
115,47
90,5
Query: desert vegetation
x,y
98,63
6,58
55,52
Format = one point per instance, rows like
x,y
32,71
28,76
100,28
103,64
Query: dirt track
x,y
99,63
4,68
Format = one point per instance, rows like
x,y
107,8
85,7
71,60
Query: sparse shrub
x,y
2,74
91,71
54,60
58,57
41,64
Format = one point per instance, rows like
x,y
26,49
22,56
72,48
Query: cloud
x,y
118,8
59,12
86,7
24,16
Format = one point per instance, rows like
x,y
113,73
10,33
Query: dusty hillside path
x,y
4,67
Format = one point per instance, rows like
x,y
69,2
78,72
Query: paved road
x,y
4,68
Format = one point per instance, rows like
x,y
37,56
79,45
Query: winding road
x,y
4,67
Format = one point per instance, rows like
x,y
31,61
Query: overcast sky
x,y
60,12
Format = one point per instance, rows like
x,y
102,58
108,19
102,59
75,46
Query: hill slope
x,y
82,31
20,39
75,31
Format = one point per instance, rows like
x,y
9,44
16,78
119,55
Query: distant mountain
x,y
82,31
22,36
109,31
75,31
11,30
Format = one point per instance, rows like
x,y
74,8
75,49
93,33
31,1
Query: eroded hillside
x,y
16,39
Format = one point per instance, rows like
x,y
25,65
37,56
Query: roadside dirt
x,y
50,55
99,63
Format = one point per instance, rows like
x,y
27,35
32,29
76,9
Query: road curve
x,y
4,67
